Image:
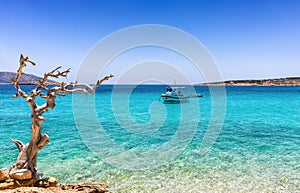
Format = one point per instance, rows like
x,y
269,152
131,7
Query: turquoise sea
x,y
125,137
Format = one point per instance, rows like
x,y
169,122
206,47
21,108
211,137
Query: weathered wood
x,y
25,166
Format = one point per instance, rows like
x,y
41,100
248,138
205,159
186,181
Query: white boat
x,y
174,95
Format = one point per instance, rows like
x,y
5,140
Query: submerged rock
x,y
85,187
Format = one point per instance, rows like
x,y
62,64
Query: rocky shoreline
x,y
290,81
63,188
11,184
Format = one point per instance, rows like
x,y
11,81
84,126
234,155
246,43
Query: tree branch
x,y
18,143
68,88
43,142
16,80
99,82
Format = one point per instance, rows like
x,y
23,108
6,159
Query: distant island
x,y
6,77
289,81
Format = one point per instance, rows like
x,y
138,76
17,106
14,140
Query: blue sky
x,y
248,39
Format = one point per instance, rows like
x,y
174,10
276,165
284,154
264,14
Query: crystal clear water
x,y
136,144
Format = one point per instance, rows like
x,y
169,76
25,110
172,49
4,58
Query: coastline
x,y
289,81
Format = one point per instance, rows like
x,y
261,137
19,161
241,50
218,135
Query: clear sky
x,y
247,38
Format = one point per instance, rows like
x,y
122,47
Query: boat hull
x,y
175,99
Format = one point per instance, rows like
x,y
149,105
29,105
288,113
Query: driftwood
x,y
25,166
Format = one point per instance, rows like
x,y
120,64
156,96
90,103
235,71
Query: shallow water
x,y
124,137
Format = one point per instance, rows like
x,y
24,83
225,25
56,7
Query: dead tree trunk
x,y
25,166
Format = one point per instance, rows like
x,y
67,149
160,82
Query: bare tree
x,y
25,166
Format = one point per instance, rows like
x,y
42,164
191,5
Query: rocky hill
x,y
5,78
290,81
